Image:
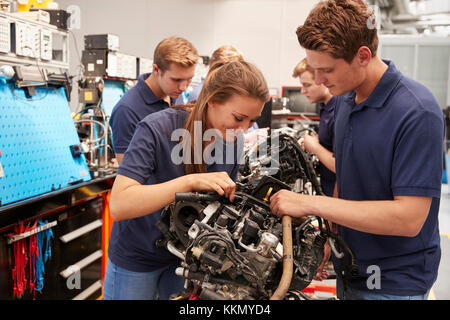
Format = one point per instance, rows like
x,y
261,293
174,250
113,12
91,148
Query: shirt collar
x,y
329,105
147,93
383,89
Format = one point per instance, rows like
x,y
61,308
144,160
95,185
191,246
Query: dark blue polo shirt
x,y
391,145
326,139
148,160
134,106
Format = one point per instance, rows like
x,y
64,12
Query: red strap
x,y
21,259
32,267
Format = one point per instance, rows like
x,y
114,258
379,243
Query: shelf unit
x,y
60,45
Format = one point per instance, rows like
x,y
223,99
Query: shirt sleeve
x,y
123,122
418,161
139,161
331,130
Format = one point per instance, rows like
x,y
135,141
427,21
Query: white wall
x,y
264,30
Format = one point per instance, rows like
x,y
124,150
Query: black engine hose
x,y
354,269
310,170
197,197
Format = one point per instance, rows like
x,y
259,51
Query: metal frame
x,y
27,234
417,41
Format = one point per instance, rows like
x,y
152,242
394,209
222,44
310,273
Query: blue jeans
x,y
353,294
122,284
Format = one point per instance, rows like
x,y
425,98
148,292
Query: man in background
x,y
322,144
174,63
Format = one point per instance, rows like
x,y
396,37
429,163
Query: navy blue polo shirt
x,y
326,139
392,145
135,105
148,160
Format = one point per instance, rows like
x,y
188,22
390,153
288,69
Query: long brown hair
x,y
224,80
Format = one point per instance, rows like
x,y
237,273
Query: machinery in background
x,y
35,88
33,53
101,58
107,75
93,129
411,16
29,37
294,111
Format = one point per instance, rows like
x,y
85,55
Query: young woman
x,y
232,98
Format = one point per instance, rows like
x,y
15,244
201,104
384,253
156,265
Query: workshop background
x,y
57,166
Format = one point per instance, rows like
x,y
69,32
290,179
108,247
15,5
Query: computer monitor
x,y
297,100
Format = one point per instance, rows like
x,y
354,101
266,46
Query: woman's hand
x,y
213,181
129,197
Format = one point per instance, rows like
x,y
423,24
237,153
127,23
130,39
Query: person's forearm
x,y
128,203
325,157
395,217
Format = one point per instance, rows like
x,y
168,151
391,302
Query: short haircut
x,y
175,50
339,28
302,67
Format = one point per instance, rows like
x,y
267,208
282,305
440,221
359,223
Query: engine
x,y
280,156
234,250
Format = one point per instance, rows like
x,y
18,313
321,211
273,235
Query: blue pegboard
x,y
35,140
112,92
